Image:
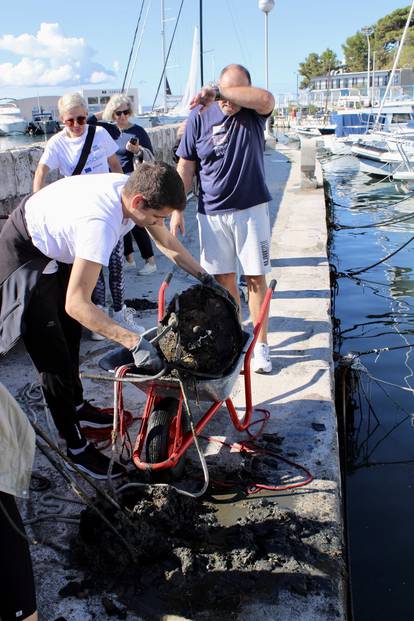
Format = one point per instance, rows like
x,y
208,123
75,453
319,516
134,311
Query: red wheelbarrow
x,y
165,435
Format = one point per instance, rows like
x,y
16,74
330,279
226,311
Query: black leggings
x,y
17,591
143,242
52,339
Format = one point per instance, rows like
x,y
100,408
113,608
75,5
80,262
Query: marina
x,y
308,580
247,492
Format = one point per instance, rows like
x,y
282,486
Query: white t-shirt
x,y
62,152
78,216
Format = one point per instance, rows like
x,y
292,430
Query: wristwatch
x,y
214,87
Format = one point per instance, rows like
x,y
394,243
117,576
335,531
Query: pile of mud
x,y
208,338
187,563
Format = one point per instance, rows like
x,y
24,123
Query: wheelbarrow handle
x,y
161,295
167,279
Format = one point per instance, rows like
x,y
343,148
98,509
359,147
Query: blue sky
x,y
83,42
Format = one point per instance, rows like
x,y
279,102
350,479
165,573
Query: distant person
x,y
134,146
223,144
78,221
17,449
63,152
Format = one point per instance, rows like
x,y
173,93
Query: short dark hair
x,y
159,183
240,68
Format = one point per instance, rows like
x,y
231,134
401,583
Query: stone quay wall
x,y
17,166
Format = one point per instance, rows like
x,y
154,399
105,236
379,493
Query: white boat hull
x,y
13,127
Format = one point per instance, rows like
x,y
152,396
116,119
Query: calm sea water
x,y
376,310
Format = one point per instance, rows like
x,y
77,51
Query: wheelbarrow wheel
x,y
160,436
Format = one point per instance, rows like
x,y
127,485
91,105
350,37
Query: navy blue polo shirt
x,y
228,151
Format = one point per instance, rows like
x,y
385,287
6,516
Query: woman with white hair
x,y
134,144
83,149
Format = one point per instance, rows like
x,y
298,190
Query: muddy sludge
x,y
187,563
208,338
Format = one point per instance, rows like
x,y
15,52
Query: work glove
x,y
146,356
209,281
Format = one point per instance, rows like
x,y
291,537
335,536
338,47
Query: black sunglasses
x,y
81,120
121,112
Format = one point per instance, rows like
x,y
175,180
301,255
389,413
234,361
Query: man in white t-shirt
x,y
47,307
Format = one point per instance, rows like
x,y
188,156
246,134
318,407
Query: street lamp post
x,y
266,6
367,32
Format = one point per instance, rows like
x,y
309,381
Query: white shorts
x,y
239,236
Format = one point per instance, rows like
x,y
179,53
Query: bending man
x,y
79,220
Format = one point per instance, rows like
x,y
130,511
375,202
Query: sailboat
x,y
379,153
183,107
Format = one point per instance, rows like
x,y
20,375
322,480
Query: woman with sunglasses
x,y
118,110
62,152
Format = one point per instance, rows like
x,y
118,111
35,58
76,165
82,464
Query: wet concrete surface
x,y
234,555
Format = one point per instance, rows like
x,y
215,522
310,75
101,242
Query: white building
x,y
97,98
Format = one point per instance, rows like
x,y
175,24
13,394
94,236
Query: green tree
x,y
315,65
385,38
356,52
388,33
329,61
310,68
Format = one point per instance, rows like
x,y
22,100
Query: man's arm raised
x,y
257,99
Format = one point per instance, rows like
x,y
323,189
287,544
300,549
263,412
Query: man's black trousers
x,y
52,339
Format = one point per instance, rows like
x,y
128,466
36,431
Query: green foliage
x,y
356,52
315,65
385,37
388,33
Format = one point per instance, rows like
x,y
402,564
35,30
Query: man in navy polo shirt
x,y
223,144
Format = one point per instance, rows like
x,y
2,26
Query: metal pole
x,y
368,72
373,78
201,43
266,53
394,67
164,90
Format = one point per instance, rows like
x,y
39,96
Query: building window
x,y
104,100
92,100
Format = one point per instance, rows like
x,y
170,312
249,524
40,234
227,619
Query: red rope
x,y
251,448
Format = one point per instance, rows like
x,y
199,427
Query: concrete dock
x,y
307,583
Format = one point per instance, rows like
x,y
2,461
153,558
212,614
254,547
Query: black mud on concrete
x,y
187,563
140,304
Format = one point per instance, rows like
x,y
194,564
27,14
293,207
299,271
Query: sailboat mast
x,y
201,43
394,67
164,90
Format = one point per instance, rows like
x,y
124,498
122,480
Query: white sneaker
x,y
261,361
130,265
95,336
149,268
126,318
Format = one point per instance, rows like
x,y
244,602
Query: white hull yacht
x,y
11,120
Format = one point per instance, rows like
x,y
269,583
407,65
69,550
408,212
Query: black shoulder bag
x,y
86,149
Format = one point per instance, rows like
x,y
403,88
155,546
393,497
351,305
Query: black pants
x,y
52,339
17,591
143,242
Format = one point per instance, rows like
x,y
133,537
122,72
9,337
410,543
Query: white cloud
x,y
49,58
